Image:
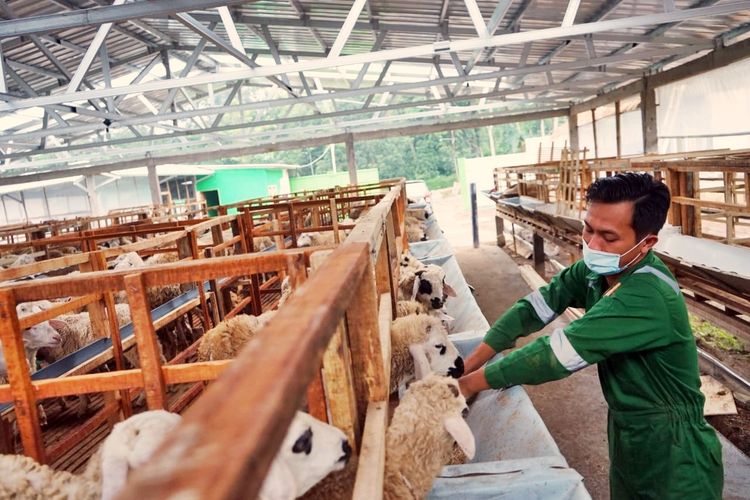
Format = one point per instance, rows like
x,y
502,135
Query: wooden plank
x,y
338,377
719,400
368,484
145,335
364,338
163,274
731,208
385,317
233,438
43,266
119,380
27,415
64,307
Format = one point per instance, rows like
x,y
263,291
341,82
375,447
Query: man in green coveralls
x,y
636,330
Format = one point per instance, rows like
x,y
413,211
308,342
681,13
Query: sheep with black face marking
x,y
426,424
426,285
420,214
420,346
409,263
310,451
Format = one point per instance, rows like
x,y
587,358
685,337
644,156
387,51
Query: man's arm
x,y
618,324
530,314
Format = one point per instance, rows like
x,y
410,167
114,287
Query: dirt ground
x,y
573,409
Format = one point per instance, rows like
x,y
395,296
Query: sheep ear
x,y
57,324
415,288
460,431
449,290
421,363
279,484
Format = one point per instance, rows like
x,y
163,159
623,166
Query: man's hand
x,y
478,358
473,383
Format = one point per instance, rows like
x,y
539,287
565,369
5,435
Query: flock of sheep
x,y
426,430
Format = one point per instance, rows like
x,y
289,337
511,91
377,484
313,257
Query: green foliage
x,y
430,157
715,336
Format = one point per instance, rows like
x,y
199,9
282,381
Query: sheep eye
x,y
303,443
441,347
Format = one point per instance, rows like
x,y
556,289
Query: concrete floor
x,y
573,409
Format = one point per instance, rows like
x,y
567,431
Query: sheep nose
x,y
436,302
347,451
465,412
457,369
424,238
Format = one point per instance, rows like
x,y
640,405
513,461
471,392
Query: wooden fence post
x,y
19,377
145,337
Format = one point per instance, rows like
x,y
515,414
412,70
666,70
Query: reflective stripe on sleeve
x,y
564,351
542,310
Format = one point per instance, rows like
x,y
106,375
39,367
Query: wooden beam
x,y
19,377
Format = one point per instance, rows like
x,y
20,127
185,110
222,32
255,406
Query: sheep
x,y
37,336
415,233
408,261
156,295
310,451
23,477
260,243
226,340
408,307
421,214
23,260
419,346
162,258
127,261
419,441
317,238
426,285
130,444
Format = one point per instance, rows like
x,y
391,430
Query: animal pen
x,y
341,359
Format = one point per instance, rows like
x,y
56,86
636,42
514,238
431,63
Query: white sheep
x,y
408,261
415,233
130,444
420,346
419,441
23,260
156,296
316,239
162,258
226,340
408,307
421,214
22,477
310,451
426,285
37,336
260,243
126,261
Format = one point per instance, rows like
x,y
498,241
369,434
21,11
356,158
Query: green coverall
x,y
660,446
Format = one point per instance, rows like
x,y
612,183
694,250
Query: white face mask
x,y
606,263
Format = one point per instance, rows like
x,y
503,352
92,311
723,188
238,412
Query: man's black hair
x,y
650,198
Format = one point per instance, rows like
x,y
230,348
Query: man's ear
x,y
651,241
